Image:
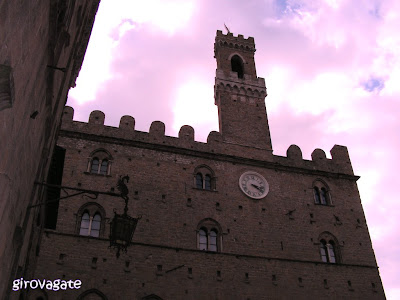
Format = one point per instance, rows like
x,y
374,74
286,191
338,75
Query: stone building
x,y
225,219
42,45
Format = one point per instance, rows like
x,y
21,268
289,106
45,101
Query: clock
x,y
253,185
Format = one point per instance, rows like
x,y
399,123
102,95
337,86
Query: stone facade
x,y
42,44
202,235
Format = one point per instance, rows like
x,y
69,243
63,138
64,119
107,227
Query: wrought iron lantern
x,y
122,225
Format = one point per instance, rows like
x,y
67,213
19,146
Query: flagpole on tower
x,y
226,27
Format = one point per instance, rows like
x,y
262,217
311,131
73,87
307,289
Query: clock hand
x,y
257,187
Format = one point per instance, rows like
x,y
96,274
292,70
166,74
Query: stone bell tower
x,y
239,93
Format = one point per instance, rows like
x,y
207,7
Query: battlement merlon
x,y
340,162
238,42
339,165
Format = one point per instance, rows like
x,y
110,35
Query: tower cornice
x,y
233,80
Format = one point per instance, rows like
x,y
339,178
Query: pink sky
x,y
332,70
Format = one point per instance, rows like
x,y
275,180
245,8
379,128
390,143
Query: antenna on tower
x,y
226,27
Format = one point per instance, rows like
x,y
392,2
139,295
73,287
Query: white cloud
x,y
114,19
194,106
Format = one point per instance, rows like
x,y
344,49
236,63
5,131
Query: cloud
x,y
117,18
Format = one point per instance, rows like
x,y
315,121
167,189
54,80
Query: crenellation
x,y
318,155
157,131
214,137
96,117
68,114
340,157
127,123
320,161
186,133
229,41
340,161
294,153
230,37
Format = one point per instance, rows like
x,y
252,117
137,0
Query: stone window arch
x,y
38,294
321,193
90,220
237,65
92,294
152,297
204,178
99,162
329,248
209,236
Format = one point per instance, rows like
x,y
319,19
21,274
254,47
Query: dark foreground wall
x,y
42,44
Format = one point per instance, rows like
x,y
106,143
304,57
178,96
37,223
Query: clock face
x,y
253,185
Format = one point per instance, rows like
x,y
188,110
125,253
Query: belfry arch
x,y
237,65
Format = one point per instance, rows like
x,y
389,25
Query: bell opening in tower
x,y
237,65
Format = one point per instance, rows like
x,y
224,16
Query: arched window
x,y
90,225
207,182
321,194
92,294
324,196
323,251
91,220
95,166
99,162
152,297
328,248
95,228
204,178
331,252
316,195
85,224
237,65
199,181
209,237
203,240
104,167
212,243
